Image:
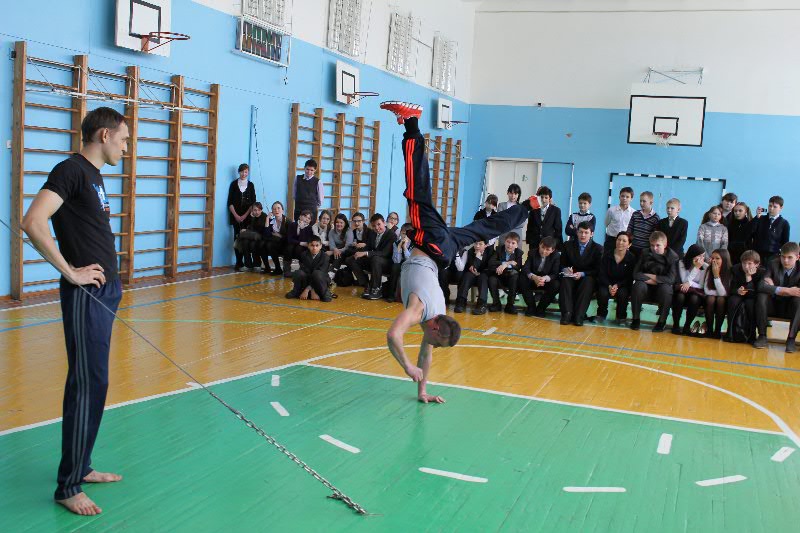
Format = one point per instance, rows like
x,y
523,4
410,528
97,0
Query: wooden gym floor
x,y
546,427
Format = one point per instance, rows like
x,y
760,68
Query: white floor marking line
x,y
281,410
782,454
594,489
720,481
453,475
276,380
489,331
340,444
193,384
665,444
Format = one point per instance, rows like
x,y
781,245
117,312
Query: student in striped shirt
x,y
583,215
643,223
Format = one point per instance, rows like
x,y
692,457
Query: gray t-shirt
x,y
420,276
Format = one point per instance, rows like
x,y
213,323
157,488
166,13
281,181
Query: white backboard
x,y
136,18
672,109
444,114
346,82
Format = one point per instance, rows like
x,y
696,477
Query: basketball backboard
x,y
138,18
346,83
666,109
445,113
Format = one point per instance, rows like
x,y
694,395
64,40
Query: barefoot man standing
x,y
433,242
74,197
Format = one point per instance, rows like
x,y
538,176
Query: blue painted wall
x,y
88,28
757,154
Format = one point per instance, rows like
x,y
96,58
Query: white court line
x,y
594,489
721,481
453,475
193,384
489,331
281,410
665,444
276,380
782,454
340,444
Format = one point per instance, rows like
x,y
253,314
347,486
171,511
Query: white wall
x,y
587,53
454,18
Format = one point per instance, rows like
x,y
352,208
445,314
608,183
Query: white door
x,y
500,173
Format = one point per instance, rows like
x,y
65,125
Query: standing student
x,y
74,197
770,232
727,204
716,288
241,197
740,231
688,293
582,215
617,218
540,273
615,278
712,235
653,278
643,223
308,192
674,227
580,261
545,221
513,192
779,295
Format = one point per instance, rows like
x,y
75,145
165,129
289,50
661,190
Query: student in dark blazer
x,y
653,279
544,221
770,231
298,235
489,208
674,227
504,268
615,277
274,241
745,279
241,197
311,279
376,257
740,231
475,268
580,262
779,295
540,273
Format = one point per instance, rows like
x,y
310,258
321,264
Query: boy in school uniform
x,y
298,235
770,232
489,208
311,279
504,269
545,221
674,227
654,275
727,204
540,273
375,257
779,295
643,223
475,274
582,215
580,261
617,219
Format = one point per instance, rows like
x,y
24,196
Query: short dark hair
x,y
243,166
258,205
492,199
314,238
544,190
358,214
514,188
585,196
450,328
306,212
376,217
750,255
628,190
406,226
730,197
548,242
776,200
790,248
585,225
658,236
512,235
626,233
310,163
97,119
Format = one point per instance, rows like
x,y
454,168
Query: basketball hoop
x,y
357,96
448,124
157,36
662,138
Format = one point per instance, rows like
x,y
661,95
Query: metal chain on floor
x,y
337,494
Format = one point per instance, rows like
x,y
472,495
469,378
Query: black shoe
x,y
287,274
635,324
540,313
601,316
495,308
479,310
566,318
659,327
292,294
372,294
676,329
510,309
579,322
461,305
530,311
238,268
790,346
761,342
277,271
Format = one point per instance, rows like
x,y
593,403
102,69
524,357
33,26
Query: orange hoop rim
x,y
169,36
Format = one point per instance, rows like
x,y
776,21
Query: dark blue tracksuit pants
x,y
430,233
87,331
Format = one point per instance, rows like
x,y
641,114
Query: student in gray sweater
x,y
712,234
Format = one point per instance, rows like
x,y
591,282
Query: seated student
x,y
653,277
745,279
711,234
401,250
688,292
311,279
297,236
337,241
615,277
249,240
356,235
779,295
674,227
583,214
503,270
740,231
716,287
617,218
544,221
489,208
580,261
727,204
451,274
322,227
643,223
540,273
770,232
275,240
475,267
393,224
375,257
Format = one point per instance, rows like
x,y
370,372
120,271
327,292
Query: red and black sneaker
x,y
531,203
402,110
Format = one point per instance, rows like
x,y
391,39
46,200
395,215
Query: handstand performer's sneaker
x,y
531,203
402,110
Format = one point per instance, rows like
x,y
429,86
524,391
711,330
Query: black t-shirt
x,y
82,223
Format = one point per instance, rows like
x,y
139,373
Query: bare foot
x,y
102,477
314,295
80,504
304,294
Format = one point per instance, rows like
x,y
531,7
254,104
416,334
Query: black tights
x,y
688,300
715,307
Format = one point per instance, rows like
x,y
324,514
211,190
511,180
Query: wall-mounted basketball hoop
x,y
357,96
448,124
160,38
662,138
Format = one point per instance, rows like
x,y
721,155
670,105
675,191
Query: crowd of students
x,y
741,269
